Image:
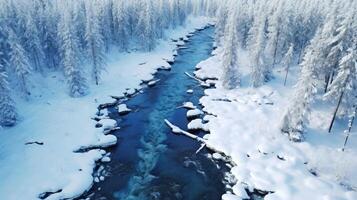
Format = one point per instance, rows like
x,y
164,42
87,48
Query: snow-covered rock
x,y
194,113
123,109
239,190
108,124
196,124
189,105
228,196
153,82
105,159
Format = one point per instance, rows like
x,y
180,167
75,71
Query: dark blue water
x,y
149,161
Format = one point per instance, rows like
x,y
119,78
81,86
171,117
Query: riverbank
x,y
244,123
40,151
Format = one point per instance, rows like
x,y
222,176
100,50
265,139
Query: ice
x,y
190,91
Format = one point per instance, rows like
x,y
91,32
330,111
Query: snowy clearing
x,y
246,126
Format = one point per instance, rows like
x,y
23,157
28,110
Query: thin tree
x,y
286,62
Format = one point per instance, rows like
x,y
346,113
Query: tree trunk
x,y
276,48
286,75
335,113
350,124
327,81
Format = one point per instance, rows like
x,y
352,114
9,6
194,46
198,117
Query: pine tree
x,y
8,115
230,56
286,62
33,43
273,35
19,61
70,57
121,25
345,84
221,24
145,28
256,48
305,90
94,43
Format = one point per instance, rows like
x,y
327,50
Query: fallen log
x,y
177,130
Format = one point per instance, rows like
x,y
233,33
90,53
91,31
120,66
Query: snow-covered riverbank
x,y
62,125
245,123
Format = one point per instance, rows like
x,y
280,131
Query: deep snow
x,y
65,125
244,124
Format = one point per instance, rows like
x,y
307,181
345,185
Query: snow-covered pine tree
x,y
145,29
19,61
286,62
256,45
221,24
94,42
121,24
344,86
32,43
71,56
305,89
231,78
273,35
8,115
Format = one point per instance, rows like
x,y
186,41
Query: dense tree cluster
x,y
38,36
318,35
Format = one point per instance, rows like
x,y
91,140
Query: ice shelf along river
x,y
149,162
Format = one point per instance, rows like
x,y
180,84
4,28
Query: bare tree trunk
x,y
327,81
286,75
276,48
350,124
335,112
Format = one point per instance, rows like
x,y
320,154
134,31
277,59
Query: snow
x,y
217,156
123,109
230,197
152,83
188,105
65,125
245,125
196,124
194,113
190,91
107,123
106,159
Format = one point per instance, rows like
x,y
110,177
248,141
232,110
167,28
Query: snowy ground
x,y
244,124
61,125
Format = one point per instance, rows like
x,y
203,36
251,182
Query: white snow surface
x,y
194,113
197,124
189,105
123,109
247,128
64,125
